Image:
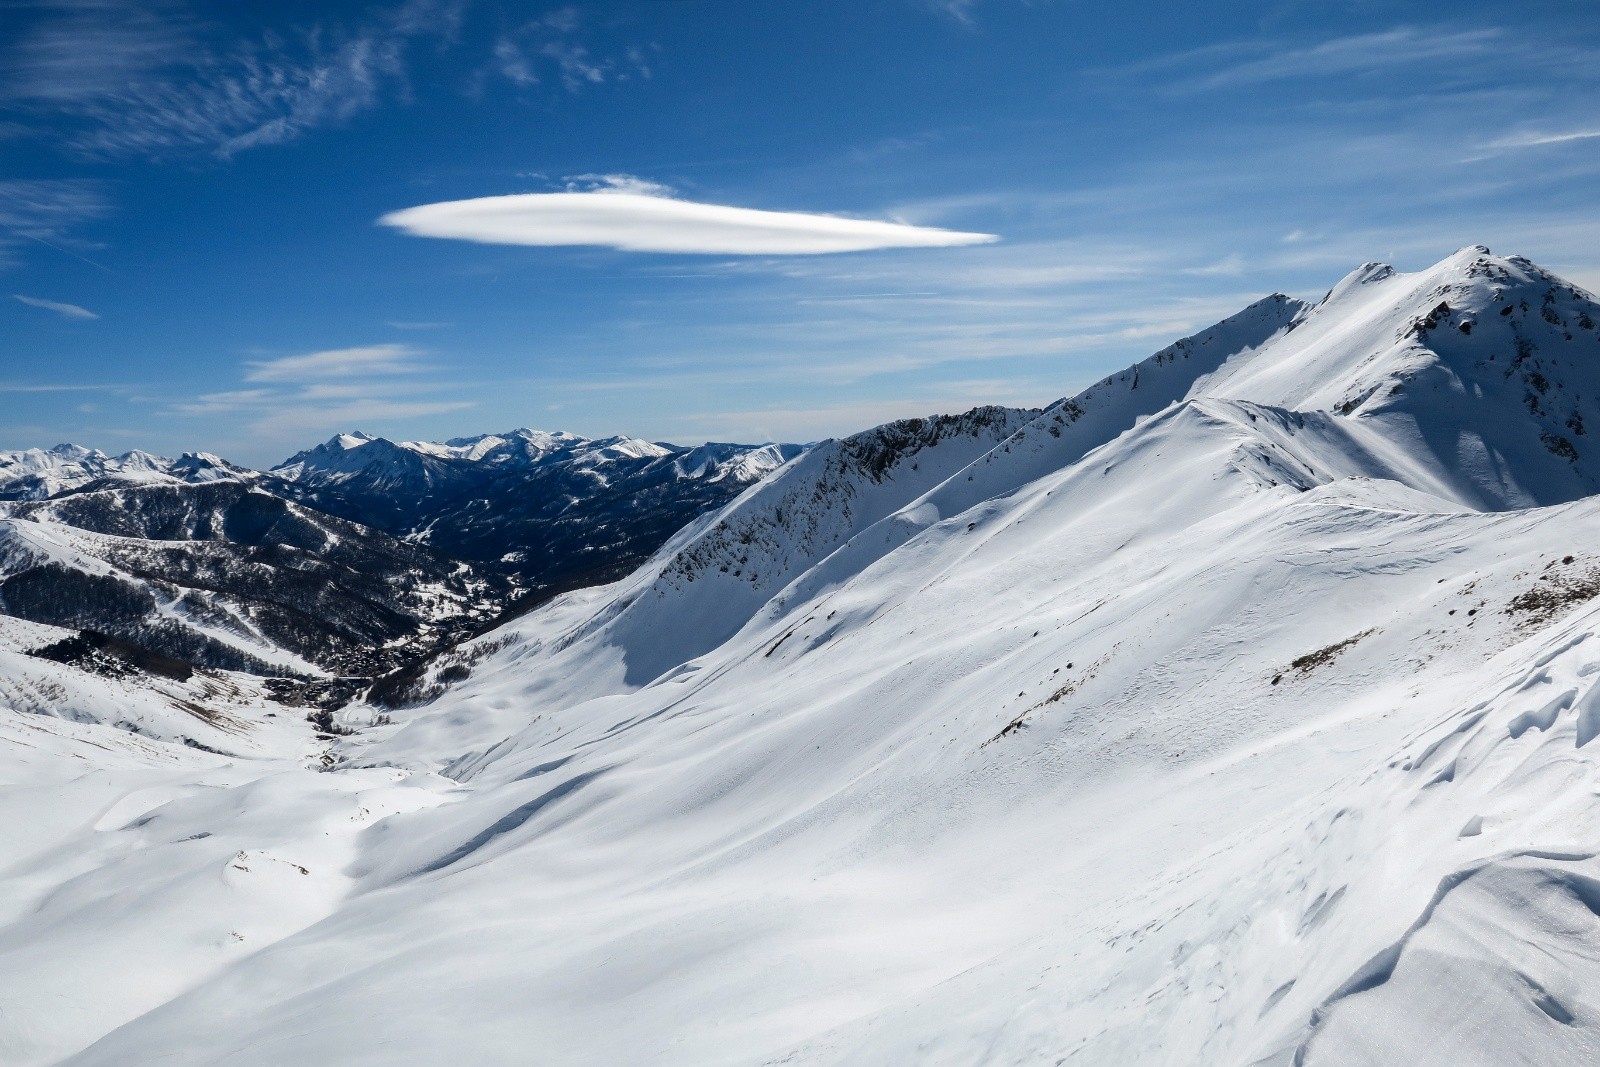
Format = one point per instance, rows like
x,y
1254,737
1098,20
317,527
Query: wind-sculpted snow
x,y
1259,730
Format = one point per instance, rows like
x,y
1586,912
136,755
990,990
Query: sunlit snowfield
x,y
1237,710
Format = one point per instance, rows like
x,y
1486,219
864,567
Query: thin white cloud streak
x,y
1356,54
90,49
27,387
334,390
960,10
1534,140
338,363
71,311
1460,55
262,95
631,222
44,211
223,402
294,422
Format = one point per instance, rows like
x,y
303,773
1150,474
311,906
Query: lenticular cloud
x,y
633,222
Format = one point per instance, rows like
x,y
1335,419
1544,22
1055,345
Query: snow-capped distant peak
x,y
37,473
67,450
629,448
522,445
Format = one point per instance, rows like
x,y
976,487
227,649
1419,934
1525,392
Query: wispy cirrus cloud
x,y
549,46
1251,62
635,215
363,361
1457,57
964,12
224,402
1537,139
960,10
117,78
282,400
113,78
70,311
66,52
1356,54
46,212
266,407
60,387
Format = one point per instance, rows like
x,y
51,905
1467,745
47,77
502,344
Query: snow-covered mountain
x,y
355,557
39,473
222,574
557,510
1239,709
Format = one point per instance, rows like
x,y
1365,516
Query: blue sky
x,y
192,257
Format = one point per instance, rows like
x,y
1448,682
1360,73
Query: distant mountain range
x,y
349,557
550,509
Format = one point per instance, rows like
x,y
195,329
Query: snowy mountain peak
x,y
1484,369
205,467
352,453
1365,274
67,450
36,473
512,446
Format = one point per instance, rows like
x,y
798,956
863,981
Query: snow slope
x,y
1249,718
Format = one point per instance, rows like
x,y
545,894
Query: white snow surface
x,y
1238,710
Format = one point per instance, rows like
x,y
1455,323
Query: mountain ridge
x,y
288,572
1247,717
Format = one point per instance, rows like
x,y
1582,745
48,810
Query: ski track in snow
x,y
1239,710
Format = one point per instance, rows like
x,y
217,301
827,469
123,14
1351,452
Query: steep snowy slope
x,y
708,580
1248,719
1107,774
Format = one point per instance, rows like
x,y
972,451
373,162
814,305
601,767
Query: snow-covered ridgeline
x,y
1249,717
